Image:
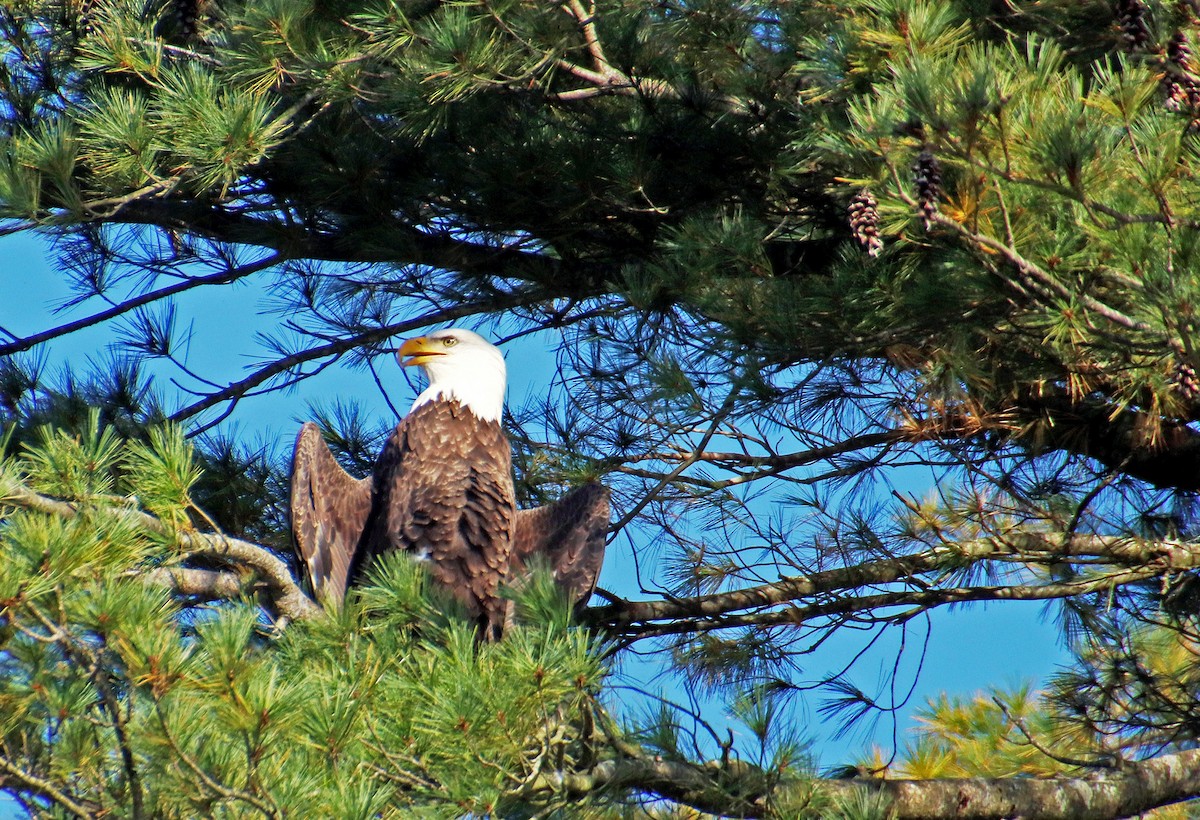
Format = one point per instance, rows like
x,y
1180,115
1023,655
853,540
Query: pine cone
x,y
187,15
1131,18
863,211
927,173
1177,93
1180,84
1186,381
1179,52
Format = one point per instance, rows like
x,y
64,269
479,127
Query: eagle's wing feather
x,y
329,511
570,534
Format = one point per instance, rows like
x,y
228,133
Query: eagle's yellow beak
x,y
417,351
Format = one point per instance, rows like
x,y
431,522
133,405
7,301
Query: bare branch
x,y
337,347
200,583
714,611
222,278
914,602
111,205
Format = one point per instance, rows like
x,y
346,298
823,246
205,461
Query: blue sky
x,y
969,648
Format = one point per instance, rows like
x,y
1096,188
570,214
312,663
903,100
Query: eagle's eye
x,y
449,341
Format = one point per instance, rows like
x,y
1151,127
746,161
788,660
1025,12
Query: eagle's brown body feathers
x,y
442,491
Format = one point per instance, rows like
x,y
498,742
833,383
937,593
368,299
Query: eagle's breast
x,y
443,491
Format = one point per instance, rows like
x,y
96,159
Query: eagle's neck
x,y
480,390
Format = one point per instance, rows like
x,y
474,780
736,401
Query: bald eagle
x,y
442,491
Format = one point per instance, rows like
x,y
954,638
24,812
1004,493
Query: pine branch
x,y
717,611
210,783
1033,275
87,656
1136,788
1044,283
19,778
286,596
607,79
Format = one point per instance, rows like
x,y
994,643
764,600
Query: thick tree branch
x,y
208,584
679,782
1118,439
1162,452
1135,788
441,249
285,593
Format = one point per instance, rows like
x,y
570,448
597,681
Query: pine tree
x,y
784,250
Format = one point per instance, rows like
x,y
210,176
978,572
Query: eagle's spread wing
x,y
329,511
570,534
443,492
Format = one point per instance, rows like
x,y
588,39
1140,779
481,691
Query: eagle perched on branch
x,y
442,491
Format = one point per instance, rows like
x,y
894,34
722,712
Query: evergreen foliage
x,y
122,695
785,252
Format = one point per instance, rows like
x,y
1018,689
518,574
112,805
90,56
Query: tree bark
x,y
1136,788
1139,787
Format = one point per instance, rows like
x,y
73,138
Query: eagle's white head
x,y
460,365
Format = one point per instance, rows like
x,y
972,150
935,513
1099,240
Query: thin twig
x,y
222,278
209,782
45,788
